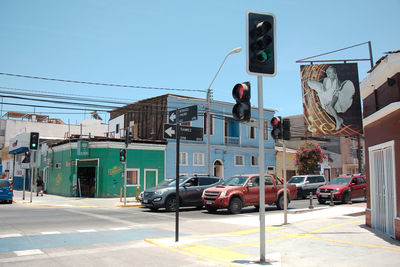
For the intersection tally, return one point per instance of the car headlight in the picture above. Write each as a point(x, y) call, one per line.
point(318, 190)
point(159, 192)
point(223, 194)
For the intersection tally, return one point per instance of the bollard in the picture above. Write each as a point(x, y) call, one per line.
point(137, 193)
point(311, 205)
point(331, 203)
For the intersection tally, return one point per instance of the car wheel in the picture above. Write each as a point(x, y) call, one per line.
point(321, 201)
point(235, 205)
point(346, 197)
point(280, 203)
point(211, 209)
point(170, 204)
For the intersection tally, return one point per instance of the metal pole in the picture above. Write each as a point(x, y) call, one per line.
point(208, 126)
point(33, 156)
point(125, 181)
point(177, 181)
point(370, 54)
point(284, 183)
point(23, 192)
point(261, 166)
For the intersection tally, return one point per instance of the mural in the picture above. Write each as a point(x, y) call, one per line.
point(331, 99)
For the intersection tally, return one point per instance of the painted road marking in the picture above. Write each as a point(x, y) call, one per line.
point(50, 233)
point(10, 235)
point(41, 241)
point(20, 253)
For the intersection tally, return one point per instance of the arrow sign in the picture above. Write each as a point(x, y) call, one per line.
point(185, 132)
point(185, 114)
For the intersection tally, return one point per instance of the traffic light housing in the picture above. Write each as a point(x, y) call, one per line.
point(34, 141)
point(242, 109)
point(276, 123)
point(122, 155)
point(286, 129)
point(261, 43)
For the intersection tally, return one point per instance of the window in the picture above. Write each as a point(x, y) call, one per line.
point(207, 180)
point(198, 159)
point(254, 161)
point(239, 160)
point(255, 181)
point(251, 132)
point(268, 180)
point(266, 130)
point(183, 158)
point(117, 128)
point(205, 124)
point(132, 177)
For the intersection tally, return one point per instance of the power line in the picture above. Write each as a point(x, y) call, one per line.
point(101, 84)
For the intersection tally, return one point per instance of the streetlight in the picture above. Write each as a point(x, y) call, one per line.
point(208, 126)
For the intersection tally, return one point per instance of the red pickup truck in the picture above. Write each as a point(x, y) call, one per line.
point(243, 190)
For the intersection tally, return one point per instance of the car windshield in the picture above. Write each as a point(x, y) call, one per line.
point(171, 182)
point(4, 183)
point(340, 180)
point(165, 182)
point(296, 180)
point(236, 180)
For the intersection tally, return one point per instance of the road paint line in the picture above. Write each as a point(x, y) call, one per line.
point(120, 228)
point(20, 253)
point(10, 235)
point(87, 231)
point(334, 226)
point(50, 233)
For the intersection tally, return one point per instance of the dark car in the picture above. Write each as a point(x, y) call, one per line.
point(190, 191)
point(6, 191)
point(343, 188)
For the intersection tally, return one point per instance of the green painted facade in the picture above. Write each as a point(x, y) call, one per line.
point(104, 164)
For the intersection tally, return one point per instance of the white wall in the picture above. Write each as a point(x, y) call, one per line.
point(113, 124)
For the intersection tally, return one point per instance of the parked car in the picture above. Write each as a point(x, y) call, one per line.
point(6, 191)
point(307, 183)
point(343, 188)
point(243, 190)
point(190, 190)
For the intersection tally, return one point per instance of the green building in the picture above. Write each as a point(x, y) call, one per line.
point(90, 168)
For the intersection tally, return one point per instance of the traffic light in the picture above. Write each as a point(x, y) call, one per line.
point(261, 43)
point(34, 141)
point(241, 93)
point(276, 131)
point(27, 157)
point(286, 129)
point(122, 155)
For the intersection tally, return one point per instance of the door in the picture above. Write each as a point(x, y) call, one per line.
point(191, 192)
point(252, 193)
point(382, 187)
point(150, 177)
point(270, 190)
point(86, 181)
point(218, 169)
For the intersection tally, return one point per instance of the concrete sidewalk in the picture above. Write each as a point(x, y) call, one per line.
point(60, 201)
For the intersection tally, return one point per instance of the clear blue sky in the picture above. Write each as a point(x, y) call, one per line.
point(179, 44)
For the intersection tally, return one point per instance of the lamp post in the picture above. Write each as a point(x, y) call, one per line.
point(208, 126)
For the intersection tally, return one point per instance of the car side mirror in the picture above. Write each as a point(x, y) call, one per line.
point(250, 184)
point(187, 185)
point(307, 182)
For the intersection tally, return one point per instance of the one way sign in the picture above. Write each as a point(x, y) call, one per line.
point(183, 114)
point(185, 132)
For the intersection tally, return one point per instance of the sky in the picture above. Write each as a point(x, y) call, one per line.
point(176, 44)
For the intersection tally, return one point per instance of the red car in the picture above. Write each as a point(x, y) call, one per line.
point(343, 188)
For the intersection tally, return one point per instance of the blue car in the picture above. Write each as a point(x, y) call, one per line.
point(6, 191)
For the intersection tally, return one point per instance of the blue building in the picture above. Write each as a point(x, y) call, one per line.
point(233, 145)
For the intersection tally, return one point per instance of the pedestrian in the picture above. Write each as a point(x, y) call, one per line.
point(39, 185)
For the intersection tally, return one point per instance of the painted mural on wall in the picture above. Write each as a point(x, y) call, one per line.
point(331, 99)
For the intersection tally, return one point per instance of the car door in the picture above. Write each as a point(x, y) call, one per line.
point(270, 190)
point(308, 185)
point(252, 191)
point(191, 192)
point(356, 188)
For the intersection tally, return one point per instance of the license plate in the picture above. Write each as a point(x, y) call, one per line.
point(325, 195)
point(208, 202)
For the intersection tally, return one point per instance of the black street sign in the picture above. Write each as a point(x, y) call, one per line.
point(186, 132)
point(185, 114)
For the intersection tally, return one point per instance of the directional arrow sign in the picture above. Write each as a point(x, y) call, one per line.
point(184, 114)
point(186, 132)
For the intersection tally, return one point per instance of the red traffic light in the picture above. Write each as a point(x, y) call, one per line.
point(275, 121)
point(241, 92)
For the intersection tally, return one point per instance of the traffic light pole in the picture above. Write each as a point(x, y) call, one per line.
point(126, 158)
point(261, 166)
point(285, 202)
point(177, 179)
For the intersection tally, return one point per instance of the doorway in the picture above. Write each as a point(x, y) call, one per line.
point(87, 181)
point(218, 169)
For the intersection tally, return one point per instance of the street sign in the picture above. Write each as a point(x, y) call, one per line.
point(186, 132)
point(185, 114)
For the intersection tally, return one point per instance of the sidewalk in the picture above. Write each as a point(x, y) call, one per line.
point(59, 201)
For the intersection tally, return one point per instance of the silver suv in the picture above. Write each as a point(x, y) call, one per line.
point(307, 183)
point(190, 191)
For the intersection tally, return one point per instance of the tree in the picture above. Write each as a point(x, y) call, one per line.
point(307, 158)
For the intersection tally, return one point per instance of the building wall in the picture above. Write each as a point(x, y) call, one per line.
point(110, 170)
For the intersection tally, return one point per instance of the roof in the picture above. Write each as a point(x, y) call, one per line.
point(382, 58)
